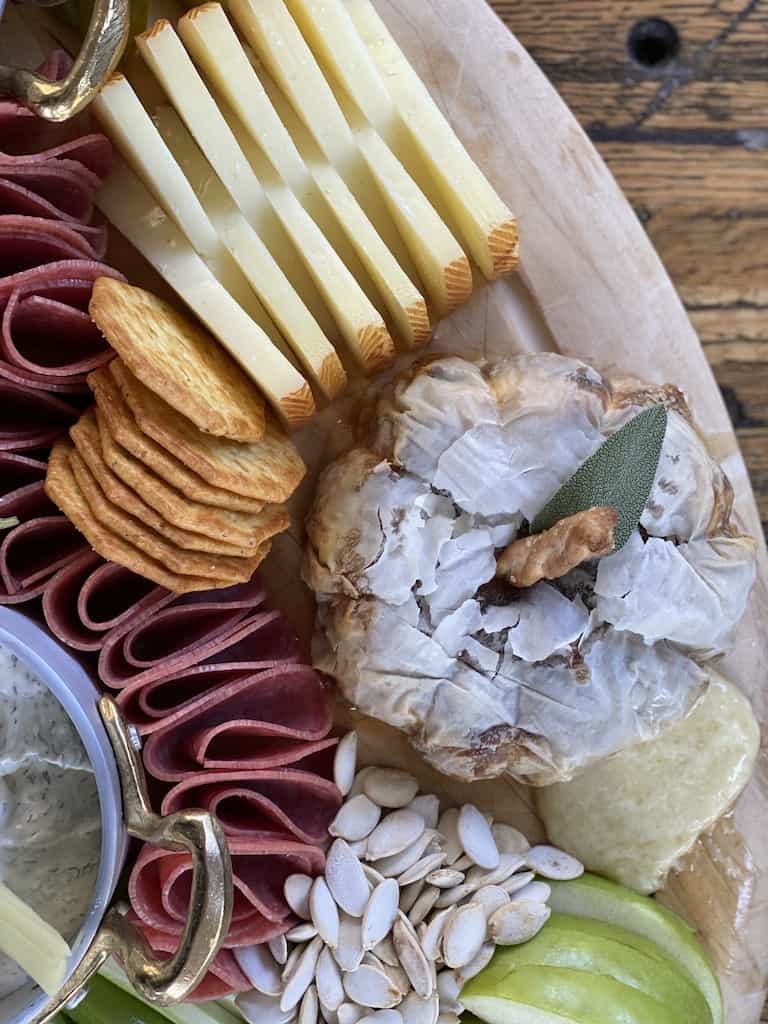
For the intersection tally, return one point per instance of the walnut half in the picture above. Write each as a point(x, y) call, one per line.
point(553, 553)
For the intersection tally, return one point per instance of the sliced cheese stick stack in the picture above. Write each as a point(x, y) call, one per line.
point(356, 49)
point(359, 322)
point(176, 473)
point(418, 237)
point(214, 45)
point(321, 198)
point(311, 347)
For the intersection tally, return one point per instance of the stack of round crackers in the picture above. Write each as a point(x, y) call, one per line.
point(176, 472)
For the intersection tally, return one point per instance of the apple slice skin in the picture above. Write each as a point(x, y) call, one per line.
point(573, 995)
point(499, 1011)
point(596, 948)
point(594, 897)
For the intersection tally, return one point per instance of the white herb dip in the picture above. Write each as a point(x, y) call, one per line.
point(50, 825)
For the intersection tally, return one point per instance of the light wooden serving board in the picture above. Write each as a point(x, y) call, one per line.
point(592, 286)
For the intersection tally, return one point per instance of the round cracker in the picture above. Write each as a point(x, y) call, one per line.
point(270, 469)
point(63, 490)
point(153, 544)
point(127, 433)
point(178, 360)
point(85, 434)
point(234, 527)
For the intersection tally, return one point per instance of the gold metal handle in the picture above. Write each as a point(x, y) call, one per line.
point(210, 909)
point(101, 51)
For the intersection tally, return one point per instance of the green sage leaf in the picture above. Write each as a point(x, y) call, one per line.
point(619, 474)
point(9, 522)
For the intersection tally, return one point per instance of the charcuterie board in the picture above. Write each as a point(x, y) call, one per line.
point(590, 285)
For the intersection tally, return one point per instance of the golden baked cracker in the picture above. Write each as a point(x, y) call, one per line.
point(270, 469)
point(178, 360)
point(85, 434)
point(126, 432)
point(178, 560)
point(235, 527)
point(63, 490)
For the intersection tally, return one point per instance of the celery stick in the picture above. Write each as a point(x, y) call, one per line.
point(182, 1013)
point(108, 1004)
point(29, 940)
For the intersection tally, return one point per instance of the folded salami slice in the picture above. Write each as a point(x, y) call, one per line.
point(31, 419)
point(266, 720)
point(90, 154)
point(114, 598)
point(263, 642)
point(180, 636)
point(22, 488)
point(18, 472)
point(28, 242)
point(224, 977)
point(32, 552)
point(54, 193)
point(50, 338)
point(259, 804)
point(47, 339)
point(86, 600)
point(160, 884)
point(27, 503)
point(60, 603)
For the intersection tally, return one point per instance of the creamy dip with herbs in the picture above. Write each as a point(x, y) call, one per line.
point(50, 825)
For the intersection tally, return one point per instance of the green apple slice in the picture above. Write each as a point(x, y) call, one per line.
point(516, 1013)
point(576, 996)
point(598, 948)
point(597, 898)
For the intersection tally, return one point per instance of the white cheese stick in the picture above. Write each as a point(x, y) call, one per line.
point(360, 323)
point(131, 208)
point(440, 258)
point(129, 125)
point(278, 44)
point(268, 25)
point(403, 302)
point(221, 58)
point(267, 116)
point(355, 47)
point(29, 940)
point(313, 350)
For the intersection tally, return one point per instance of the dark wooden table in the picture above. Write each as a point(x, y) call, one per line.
point(675, 95)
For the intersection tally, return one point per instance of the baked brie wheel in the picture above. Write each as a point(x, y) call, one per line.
point(592, 648)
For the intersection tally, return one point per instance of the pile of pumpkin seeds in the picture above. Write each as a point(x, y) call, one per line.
point(412, 905)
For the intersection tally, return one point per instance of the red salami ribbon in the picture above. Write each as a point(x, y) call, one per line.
point(224, 976)
point(160, 884)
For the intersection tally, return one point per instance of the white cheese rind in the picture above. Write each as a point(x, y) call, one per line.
point(358, 320)
point(129, 206)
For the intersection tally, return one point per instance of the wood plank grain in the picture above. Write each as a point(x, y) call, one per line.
point(716, 84)
point(688, 143)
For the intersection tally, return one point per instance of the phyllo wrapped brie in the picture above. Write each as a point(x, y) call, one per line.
point(455, 462)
